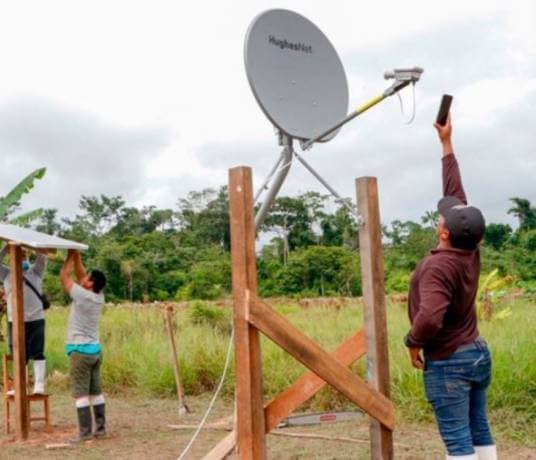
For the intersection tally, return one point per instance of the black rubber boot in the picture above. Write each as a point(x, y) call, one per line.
point(84, 425)
point(100, 420)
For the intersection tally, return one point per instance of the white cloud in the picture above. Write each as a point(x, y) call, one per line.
point(169, 75)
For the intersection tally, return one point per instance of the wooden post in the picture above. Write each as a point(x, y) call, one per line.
point(19, 343)
point(183, 408)
point(372, 276)
point(250, 437)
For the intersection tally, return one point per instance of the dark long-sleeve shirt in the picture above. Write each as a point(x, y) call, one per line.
point(443, 288)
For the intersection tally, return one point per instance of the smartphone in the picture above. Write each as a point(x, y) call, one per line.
point(444, 109)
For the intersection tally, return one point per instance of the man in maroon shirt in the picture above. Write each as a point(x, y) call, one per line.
point(457, 362)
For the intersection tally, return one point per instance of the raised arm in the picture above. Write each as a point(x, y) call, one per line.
point(79, 269)
point(40, 265)
point(66, 272)
point(452, 179)
point(4, 271)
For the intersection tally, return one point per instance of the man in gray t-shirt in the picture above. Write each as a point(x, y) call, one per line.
point(83, 345)
point(34, 315)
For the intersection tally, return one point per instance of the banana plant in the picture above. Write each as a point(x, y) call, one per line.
point(10, 200)
point(7, 203)
point(489, 289)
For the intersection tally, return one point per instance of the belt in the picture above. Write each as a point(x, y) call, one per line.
point(478, 344)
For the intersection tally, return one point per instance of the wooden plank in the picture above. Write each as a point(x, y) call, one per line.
point(250, 437)
point(308, 384)
point(372, 279)
point(223, 448)
point(309, 353)
point(19, 343)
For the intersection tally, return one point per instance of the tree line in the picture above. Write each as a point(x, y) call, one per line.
point(309, 248)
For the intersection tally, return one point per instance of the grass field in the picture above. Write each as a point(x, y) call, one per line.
point(138, 361)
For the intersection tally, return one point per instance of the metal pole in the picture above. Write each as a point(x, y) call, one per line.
point(306, 145)
point(286, 159)
point(397, 86)
point(265, 183)
point(330, 188)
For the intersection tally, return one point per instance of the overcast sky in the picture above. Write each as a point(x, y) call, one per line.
point(150, 100)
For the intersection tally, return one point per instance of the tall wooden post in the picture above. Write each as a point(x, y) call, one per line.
point(19, 342)
point(372, 276)
point(250, 410)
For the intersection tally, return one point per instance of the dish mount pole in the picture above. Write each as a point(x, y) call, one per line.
point(285, 161)
point(402, 77)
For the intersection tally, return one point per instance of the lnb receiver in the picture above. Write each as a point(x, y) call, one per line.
point(410, 75)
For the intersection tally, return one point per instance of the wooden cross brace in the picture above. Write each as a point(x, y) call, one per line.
point(309, 383)
point(252, 315)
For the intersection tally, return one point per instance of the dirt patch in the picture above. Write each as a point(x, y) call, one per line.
point(139, 429)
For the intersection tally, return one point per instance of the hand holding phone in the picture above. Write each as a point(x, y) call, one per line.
point(444, 109)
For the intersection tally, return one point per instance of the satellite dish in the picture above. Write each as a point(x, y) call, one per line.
point(295, 74)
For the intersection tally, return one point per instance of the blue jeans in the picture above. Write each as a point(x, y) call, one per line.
point(456, 389)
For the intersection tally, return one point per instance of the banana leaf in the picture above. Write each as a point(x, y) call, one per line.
point(22, 187)
point(26, 219)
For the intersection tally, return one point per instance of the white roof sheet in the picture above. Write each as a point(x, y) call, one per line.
point(37, 240)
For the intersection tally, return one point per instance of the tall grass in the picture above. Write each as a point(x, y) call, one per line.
point(137, 354)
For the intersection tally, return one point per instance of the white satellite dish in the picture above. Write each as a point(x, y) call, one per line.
point(295, 74)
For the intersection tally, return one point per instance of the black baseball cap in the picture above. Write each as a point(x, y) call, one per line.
point(466, 224)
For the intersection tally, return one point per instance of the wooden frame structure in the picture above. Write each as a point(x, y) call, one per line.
point(19, 239)
point(253, 418)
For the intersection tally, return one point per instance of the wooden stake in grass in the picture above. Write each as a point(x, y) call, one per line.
point(168, 313)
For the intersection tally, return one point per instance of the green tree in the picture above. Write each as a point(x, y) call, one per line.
point(497, 235)
point(316, 270)
point(204, 218)
point(339, 229)
point(292, 220)
point(48, 222)
point(525, 213)
point(430, 219)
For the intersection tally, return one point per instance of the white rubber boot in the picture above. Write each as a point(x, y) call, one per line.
point(486, 452)
point(463, 457)
point(39, 376)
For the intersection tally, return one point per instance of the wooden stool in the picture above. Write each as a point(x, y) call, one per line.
point(8, 399)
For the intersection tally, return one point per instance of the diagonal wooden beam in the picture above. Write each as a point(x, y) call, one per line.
point(308, 384)
point(309, 353)
point(303, 389)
